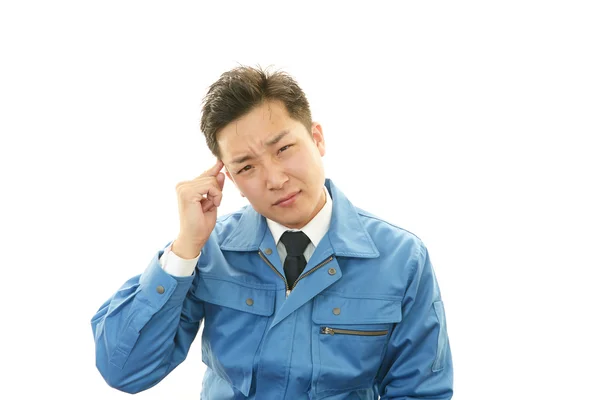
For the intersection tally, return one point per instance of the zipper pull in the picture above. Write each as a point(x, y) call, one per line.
point(287, 293)
point(327, 331)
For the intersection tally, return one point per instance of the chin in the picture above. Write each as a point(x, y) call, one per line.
point(290, 221)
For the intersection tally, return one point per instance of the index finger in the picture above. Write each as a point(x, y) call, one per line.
point(214, 170)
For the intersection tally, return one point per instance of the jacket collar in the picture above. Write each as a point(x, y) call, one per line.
point(346, 234)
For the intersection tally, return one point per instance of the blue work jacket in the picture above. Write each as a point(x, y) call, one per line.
point(365, 319)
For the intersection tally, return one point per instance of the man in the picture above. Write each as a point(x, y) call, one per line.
point(303, 295)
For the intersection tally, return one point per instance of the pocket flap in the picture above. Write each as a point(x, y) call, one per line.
point(335, 309)
point(256, 299)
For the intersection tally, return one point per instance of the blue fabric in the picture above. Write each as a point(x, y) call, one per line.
point(368, 278)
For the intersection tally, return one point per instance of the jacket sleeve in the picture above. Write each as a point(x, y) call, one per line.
point(146, 328)
point(417, 364)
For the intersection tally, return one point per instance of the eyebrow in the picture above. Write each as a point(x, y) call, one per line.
point(270, 142)
point(277, 138)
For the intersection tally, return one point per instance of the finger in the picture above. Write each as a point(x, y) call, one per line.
point(210, 209)
point(207, 205)
point(221, 180)
point(214, 170)
point(215, 195)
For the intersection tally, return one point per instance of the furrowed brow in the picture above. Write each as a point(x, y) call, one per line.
point(270, 142)
point(277, 138)
point(241, 159)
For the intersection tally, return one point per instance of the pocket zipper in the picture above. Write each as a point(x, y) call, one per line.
point(325, 330)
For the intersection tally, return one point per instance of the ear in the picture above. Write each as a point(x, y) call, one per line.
point(319, 139)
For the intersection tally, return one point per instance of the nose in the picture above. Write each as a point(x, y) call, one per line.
point(275, 175)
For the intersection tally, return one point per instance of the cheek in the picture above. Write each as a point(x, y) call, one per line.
point(297, 168)
point(251, 188)
point(307, 165)
point(300, 163)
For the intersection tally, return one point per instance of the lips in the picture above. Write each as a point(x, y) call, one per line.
point(282, 199)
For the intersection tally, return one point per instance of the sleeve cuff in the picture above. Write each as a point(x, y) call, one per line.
point(159, 287)
point(174, 265)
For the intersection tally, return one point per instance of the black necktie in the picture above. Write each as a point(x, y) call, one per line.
point(295, 243)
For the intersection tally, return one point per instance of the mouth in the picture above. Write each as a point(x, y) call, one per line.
point(287, 200)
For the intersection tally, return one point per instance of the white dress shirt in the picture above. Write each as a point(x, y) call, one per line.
point(315, 230)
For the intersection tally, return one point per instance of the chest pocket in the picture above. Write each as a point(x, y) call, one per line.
point(349, 340)
point(235, 319)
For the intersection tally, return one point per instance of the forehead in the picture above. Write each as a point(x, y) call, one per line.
point(251, 132)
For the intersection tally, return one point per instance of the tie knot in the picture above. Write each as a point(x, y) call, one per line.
point(295, 242)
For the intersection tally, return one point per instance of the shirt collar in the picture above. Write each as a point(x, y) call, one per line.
point(316, 227)
point(347, 236)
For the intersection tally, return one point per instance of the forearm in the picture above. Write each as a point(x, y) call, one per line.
point(418, 363)
point(136, 330)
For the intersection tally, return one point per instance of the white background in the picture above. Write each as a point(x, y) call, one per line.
point(474, 125)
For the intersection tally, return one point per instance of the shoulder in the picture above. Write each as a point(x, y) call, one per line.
point(227, 222)
point(375, 222)
point(389, 235)
point(232, 217)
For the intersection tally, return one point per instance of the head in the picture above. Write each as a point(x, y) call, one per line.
point(259, 124)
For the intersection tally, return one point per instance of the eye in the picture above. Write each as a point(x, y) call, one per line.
point(246, 168)
point(284, 148)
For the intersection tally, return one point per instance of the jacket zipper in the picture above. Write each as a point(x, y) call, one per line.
point(311, 271)
point(287, 288)
point(332, 331)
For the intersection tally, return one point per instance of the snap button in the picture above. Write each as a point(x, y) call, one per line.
point(337, 311)
point(160, 289)
point(268, 252)
point(331, 271)
point(249, 302)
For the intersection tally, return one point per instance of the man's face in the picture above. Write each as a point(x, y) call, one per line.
point(270, 157)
